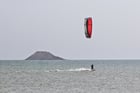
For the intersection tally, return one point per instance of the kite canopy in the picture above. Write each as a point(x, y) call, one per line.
point(88, 27)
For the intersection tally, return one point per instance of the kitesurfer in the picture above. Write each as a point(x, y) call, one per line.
point(92, 68)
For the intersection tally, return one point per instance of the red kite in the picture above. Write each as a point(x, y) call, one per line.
point(88, 27)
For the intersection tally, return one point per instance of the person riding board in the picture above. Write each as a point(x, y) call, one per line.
point(92, 68)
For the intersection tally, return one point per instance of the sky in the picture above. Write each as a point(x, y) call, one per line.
point(57, 26)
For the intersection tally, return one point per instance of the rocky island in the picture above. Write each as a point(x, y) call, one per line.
point(43, 55)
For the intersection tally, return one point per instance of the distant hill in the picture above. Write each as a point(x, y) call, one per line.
point(43, 55)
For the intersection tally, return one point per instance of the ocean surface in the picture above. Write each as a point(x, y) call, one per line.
point(69, 76)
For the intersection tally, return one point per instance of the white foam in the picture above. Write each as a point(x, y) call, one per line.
point(70, 70)
point(79, 69)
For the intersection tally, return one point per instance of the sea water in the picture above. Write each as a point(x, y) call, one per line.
point(70, 76)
